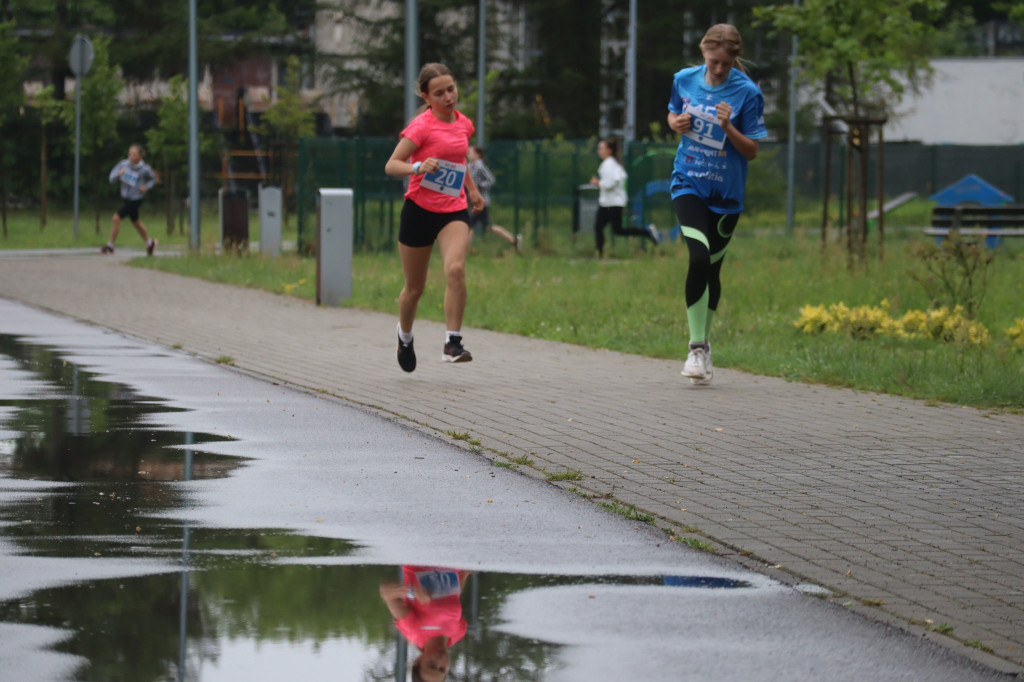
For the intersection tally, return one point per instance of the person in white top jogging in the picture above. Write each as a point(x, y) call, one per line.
point(611, 200)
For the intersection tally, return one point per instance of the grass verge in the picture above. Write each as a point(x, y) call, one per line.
point(633, 302)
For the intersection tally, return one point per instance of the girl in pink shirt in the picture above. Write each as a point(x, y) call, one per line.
point(432, 152)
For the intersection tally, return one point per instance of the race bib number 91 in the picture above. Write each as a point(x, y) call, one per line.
point(705, 130)
point(130, 178)
point(447, 179)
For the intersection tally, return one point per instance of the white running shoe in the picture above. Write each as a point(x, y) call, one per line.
point(653, 232)
point(709, 371)
point(697, 363)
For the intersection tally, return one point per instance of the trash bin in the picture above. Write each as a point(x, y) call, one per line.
point(584, 209)
point(234, 220)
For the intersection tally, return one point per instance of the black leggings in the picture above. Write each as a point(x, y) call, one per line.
point(612, 215)
point(707, 235)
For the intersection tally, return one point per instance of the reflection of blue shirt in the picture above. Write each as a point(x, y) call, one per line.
point(707, 164)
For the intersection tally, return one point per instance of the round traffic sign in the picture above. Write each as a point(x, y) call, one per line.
point(80, 56)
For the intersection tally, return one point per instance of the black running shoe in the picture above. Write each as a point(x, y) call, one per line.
point(454, 352)
point(106, 250)
point(151, 247)
point(406, 356)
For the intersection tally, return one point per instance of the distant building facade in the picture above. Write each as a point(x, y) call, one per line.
point(971, 101)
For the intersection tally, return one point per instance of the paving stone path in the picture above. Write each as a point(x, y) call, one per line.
point(908, 512)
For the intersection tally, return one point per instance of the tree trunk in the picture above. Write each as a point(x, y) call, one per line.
point(95, 187)
point(852, 74)
point(3, 185)
point(169, 200)
point(42, 180)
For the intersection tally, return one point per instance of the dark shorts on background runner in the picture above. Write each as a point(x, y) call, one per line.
point(130, 209)
point(420, 227)
point(480, 220)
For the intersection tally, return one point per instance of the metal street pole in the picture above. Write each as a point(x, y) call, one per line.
point(80, 60)
point(481, 72)
point(791, 143)
point(193, 128)
point(78, 136)
point(412, 57)
point(630, 132)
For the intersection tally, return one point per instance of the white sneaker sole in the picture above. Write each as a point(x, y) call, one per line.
point(465, 357)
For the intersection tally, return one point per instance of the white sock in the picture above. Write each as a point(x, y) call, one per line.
point(406, 338)
point(449, 334)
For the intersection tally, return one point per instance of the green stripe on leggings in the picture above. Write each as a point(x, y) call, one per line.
point(697, 317)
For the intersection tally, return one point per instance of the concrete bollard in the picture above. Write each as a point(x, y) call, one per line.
point(270, 221)
point(334, 247)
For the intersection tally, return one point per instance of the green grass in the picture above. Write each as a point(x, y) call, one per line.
point(627, 511)
point(633, 302)
point(23, 228)
point(567, 475)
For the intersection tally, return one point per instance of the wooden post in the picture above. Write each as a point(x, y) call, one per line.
point(826, 136)
point(864, 131)
point(848, 193)
point(881, 192)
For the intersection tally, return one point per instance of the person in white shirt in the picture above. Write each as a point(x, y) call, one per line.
point(611, 201)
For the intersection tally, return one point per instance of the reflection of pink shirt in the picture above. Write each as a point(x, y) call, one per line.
point(439, 140)
point(439, 616)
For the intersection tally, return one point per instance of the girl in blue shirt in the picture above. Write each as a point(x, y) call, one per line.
point(719, 112)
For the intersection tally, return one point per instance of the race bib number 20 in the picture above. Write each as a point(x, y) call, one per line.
point(447, 179)
point(705, 130)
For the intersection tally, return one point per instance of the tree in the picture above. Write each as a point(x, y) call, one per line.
point(49, 112)
point(554, 89)
point(12, 98)
point(168, 143)
point(863, 65)
point(285, 121)
point(99, 110)
point(152, 37)
point(374, 67)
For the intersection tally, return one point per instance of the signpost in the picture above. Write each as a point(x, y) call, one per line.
point(80, 60)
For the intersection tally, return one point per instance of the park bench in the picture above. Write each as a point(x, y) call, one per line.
point(984, 221)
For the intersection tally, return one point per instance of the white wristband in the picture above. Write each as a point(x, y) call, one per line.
point(416, 167)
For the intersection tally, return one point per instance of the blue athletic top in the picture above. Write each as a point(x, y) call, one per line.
point(707, 164)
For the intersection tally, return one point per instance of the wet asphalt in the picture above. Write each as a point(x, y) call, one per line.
point(906, 514)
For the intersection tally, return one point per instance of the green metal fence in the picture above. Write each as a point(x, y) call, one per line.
point(537, 180)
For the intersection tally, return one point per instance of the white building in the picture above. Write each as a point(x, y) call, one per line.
point(971, 101)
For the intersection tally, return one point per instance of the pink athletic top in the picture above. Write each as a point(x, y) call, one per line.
point(442, 615)
point(443, 191)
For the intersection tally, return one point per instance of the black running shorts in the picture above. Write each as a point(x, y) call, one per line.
point(130, 209)
point(420, 227)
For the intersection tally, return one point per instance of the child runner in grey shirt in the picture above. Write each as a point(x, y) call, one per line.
point(135, 177)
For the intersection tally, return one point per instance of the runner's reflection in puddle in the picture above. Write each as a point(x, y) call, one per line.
point(427, 609)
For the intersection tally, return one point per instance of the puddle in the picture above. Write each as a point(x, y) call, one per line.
point(223, 604)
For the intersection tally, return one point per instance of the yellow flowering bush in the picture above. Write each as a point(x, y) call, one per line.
point(865, 322)
point(814, 319)
point(1016, 333)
